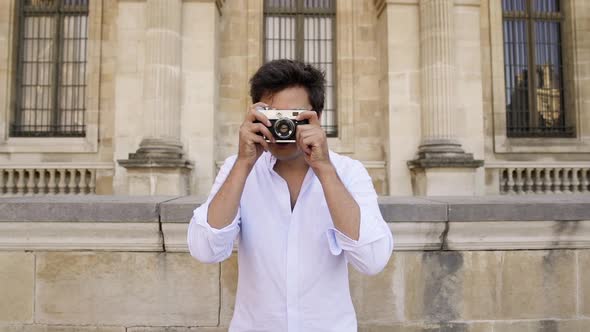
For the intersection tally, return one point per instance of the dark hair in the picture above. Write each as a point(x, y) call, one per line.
point(277, 75)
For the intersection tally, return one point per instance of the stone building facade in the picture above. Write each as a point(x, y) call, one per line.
point(423, 90)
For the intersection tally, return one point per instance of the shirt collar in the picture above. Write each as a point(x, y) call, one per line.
point(269, 159)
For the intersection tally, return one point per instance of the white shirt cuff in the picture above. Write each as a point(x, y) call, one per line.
point(217, 237)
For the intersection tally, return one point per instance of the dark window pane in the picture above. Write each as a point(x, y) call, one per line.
point(513, 5)
point(303, 30)
point(546, 6)
point(52, 68)
point(534, 90)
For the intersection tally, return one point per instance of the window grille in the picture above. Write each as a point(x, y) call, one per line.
point(51, 68)
point(533, 67)
point(305, 30)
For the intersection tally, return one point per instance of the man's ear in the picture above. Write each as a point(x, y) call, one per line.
point(319, 115)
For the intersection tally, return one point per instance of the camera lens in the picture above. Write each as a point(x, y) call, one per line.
point(283, 128)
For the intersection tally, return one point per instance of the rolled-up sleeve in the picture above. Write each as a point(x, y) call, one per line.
point(208, 244)
point(371, 252)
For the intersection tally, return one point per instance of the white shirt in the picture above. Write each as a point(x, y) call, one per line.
point(292, 265)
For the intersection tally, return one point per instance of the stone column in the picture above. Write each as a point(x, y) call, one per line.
point(158, 166)
point(442, 167)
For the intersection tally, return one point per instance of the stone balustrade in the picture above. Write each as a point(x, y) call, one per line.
point(118, 264)
point(41, 181)
point(542, 179)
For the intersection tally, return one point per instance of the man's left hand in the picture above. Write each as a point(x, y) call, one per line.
point(312, 140)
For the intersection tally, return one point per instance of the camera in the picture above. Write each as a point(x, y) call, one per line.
point(283, 124)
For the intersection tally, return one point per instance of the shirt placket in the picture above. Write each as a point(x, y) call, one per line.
point(292, 273)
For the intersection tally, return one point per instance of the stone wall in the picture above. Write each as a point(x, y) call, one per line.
point(118, 264)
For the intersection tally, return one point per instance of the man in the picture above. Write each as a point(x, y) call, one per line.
point(301, 214)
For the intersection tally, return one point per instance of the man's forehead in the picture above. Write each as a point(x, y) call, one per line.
point(292, 97)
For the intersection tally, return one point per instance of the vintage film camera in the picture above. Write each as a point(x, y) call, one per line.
point(283, 123)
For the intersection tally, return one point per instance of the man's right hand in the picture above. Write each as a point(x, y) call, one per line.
point(252, 144)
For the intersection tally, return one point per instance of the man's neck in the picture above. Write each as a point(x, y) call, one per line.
point(293, 166)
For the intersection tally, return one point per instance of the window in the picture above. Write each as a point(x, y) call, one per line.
point(304, 30)
point(533, 68)
point(51, 68)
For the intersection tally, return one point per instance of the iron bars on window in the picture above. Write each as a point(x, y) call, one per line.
point(533, 69)
point(51, 68)
point(305, 30)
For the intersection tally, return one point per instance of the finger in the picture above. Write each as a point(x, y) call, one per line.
point(311, 142)
point(257, 139)
point(260, 128)
point(312, 116)
point(310, 130)
point(302, 145)
point(257, 115)
point(254, 114)
point(305, 148)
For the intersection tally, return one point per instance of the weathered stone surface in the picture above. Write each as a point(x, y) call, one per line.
point(16, 286)
point(114, 236)
point(177, 329)
point(537, 284)
point(584, 282)
point(509, 234)
point(180, 209)
point(229, 285)
point(433, 283)
point(412, 209)
point(533, 207)
point(581, 325)
point(417, 235)
point(480, 282)
point(81, 208)
point(378, 300)
point(57, 328)
point(428, 327)
point(175, 235)
point(144, 289)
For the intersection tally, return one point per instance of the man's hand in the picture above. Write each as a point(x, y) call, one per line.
point(251, 144)
point(312, 140)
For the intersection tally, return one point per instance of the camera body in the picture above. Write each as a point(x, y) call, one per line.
point(283, 124)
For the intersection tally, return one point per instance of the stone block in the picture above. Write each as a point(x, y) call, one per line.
point(532, 207)
point(433, 283)
point(512, 234)
point(177, 329)
point(229, 285)
point(16, 287)
point(480, 282)
point(180, 209)
point(584, 282)
point(429, 327)
point(378, 300)
point(548, 325)
point(157, 180)
point(57, 328)
point(417, 235)
point(141, 289)
point(81, 208)
point(412, 209)
point(444, 181)
point(537, 284)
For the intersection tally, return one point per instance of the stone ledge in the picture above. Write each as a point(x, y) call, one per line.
point(507, 235)
point(505, 207)
point(91, 208)
point(180, 209)
point(144, 223)
point(60, 236)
